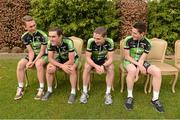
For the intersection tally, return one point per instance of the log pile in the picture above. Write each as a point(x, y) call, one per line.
point(131, 11)
point(11, 29)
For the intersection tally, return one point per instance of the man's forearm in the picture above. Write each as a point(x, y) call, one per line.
point(90, 62)
point(108, 62)
point(31, 56)
point(54, 62)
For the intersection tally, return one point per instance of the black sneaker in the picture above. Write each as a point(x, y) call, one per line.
point(46, 96)
point(129, 103)
point(72, 98)
point(158, 105)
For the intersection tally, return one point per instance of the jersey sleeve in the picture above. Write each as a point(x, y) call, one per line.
point(126, 42)
point(111, 45)
point(70, 45)
point(148, 46)
point(43, 38)
point(89, 45)
point(26, 39)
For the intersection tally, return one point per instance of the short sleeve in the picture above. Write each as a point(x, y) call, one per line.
point(89, 45)
point(126, 42)
point(70, 45)
point(43, 38)
point(148, 46)
point(26, 38)
point(111, 44)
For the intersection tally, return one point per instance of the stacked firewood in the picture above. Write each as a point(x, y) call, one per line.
point(11, 29)
point(131, 11)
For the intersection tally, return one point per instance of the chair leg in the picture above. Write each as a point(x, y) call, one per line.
point(91, 77)
point(146, 84)
point(55, 80)
point(174, 82)
point(122, 82)
point(113, 86)
point(78, 76)
point(27, 79)
point(150, 85)
point(171, 82)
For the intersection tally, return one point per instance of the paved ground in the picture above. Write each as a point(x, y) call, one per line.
point(11, 55)
point(20, 55)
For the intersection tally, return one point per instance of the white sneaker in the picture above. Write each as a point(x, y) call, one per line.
point(19, 93)
point(108, 99)
point(84, 98)
point(39, 94)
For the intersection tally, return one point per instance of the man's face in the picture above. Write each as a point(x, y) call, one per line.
point(136, 35)
point(98, 38)
point(54, 38)
point(30, 26)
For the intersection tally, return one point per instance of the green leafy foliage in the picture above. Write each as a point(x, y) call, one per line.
point(76, 17)
point(164, 21)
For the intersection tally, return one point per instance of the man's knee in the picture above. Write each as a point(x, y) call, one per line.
point(22, 64)
point(110, 68)
point(39, 63)
point(87, 67)
point(132, 70)
point(73, 70)
point(51, 69)
point(155, 71)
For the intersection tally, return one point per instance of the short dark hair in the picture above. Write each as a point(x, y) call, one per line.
point(27, 18)
point(101, 30)
point(58, 30)
point(140, 26)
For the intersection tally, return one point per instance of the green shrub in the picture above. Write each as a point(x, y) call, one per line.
point(163, 21)
point(76, 17)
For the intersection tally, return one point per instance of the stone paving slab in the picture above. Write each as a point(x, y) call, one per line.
point(20, 55)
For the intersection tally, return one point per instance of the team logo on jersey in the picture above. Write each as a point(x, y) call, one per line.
point(105, 47)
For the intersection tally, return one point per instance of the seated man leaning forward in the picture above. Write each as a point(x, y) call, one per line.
point(99, 56)
point(36, 44)
point(67, 60)
point(136, 48)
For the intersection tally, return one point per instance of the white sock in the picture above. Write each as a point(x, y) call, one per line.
point(50, 89)
point(41, 85)
point(155, 95)
point(130, 93)
point(73, 91)
point(108, 90)
point(21, 84)
point(85, 88)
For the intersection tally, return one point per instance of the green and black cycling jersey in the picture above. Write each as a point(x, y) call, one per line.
point(35, 39)
point(99, 52)
point(63, 50)
point(137, 47)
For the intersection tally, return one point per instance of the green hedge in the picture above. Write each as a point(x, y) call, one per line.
point(164, 21)
point(81, 17)
point(76, 17)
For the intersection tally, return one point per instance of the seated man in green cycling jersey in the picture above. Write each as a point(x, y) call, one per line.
point(99, 56)
point(136, 49)
point(36, 44)
point(67, 60)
